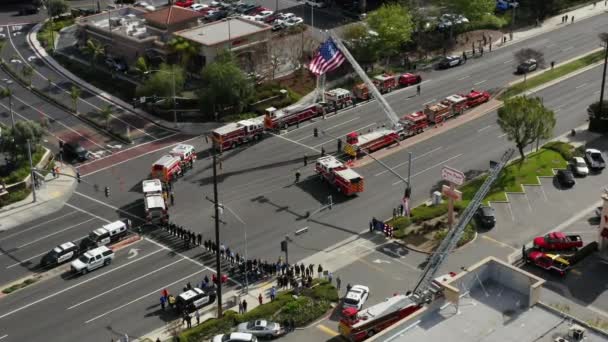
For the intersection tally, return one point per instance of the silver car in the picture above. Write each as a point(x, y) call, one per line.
point(261, 328)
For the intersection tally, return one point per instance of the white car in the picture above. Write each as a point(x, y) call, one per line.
point(285, 16)
point(95, 258)
point(293, 21)
point(447, 20)
point(235, 337)
point(199, 7)
point(261, 328)
point(579, 167)
point(263, 15)
point(356, 297)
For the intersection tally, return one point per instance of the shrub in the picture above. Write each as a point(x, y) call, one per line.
point(566, 150)
point(425, 213)
point(323, 291)
point(468, 235)
point(489, 21)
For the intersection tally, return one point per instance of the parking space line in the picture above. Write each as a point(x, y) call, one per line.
point(124, 284)
point(544, 193)
point(480, 82)
point(405, 162)
point(55, 233)
point(484, 128)
point(37, 225)
point(329, 331)
point(142, 297)
point(580, 86)
point(510, 210)
point(502, 135)
point(465, 77)
point(431, 167)
point(78, 284)
point(507, 61)
point(485, 237)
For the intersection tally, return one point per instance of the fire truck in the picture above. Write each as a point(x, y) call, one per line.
point(413, 124)
point(154, 202)
point(282, 118)
point(448, 107)
point(237, 133)
point(346, 180)
point(167, 168)
point(475, 98)
point(385, 83)
point(339, 98)
point(357, 145)
point(185, 153)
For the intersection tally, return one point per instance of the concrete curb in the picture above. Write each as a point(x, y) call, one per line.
point(422, 251)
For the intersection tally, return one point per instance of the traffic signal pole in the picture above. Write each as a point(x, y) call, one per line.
point(217, 236)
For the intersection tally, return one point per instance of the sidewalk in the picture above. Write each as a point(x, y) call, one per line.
point(50, 197)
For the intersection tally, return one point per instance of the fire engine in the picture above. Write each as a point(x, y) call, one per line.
point(167, 168)
point(385, 83)
point(346, 180)
point(413, 124)
point(357, 145)
point(282, 118)
point(339, 98)
point(154, 202)
point(475, 98)
point(185, 153)
point(237, 133)
point(450, 106)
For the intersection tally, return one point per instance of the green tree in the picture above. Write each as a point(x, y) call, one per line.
point(75, 94)
point(184, 48)
point(14, 140)
point(227, 88)
point(95, 50)
point(27, 71)
point(525, 120)
point(106, 114)
point(393, 25)
point(160, 83)
point(141, 65)
point(362, 44)
point(472, 9)
point(57, 7)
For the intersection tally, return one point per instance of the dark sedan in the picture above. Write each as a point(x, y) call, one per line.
point(486, 217)
point(565, 178)
point(449, 62)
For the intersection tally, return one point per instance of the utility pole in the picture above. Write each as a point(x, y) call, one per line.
point(218, 265)
point(174, 109)
point(10, 105)
point(605, 39)
point(32, 173)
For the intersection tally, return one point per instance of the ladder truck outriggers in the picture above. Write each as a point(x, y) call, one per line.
point(359, 325)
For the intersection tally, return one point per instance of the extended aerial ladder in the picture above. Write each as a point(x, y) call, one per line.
point(423, 291)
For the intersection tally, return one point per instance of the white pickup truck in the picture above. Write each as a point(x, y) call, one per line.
point(95, 258)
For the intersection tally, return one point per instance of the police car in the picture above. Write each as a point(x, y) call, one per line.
point(60, 254)
point(93, 259)
point(194, 299)
point(356, 297)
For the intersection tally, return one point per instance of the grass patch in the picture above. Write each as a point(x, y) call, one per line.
point(23, 167)
point(18, 286)
point(550, 75)
point(468, 235)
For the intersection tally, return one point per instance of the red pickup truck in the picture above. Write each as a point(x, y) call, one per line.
point(558, 241)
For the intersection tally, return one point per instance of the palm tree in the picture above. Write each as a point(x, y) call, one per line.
point(75, 94)
point(27, 71)
point(141, 65)
point(95, 49)
point(106, 114)
point(185, 50)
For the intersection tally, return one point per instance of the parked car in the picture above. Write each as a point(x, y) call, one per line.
point(216, 15)
point(595, 159)
point(450, 61)
point(558, 241)
point(95, 258)
point(261, 328)
point(407, 79)
point(486, 216)
point(74, 149)
point(356, 297)
point(549, 262)
point(259, 10)
point(293, 21)
point(278, 25)
point(447, 20)
point(263, 15)
point(527, 66)
point(235, 337)
point(579, 167)
point(194, 299)
point(199, 7)
point(246, 8)
point(60, 254)
point(565, 178)
point(116, 64)
point(28, 10)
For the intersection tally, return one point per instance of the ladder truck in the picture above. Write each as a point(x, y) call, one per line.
point(359, 325)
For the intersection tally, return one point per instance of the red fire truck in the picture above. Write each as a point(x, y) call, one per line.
point(339, 98)
point(185, 153)
point(237, 133)
point(385, 84)
point(357, 326)
point(346, 180)
point(450, 106)
point(357, 144)
point(475, 98)
point(281, 118)
point(413, 124)
point(167, 168)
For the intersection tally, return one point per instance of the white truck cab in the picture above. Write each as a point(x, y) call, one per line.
point(154, 202)
point(95, 258)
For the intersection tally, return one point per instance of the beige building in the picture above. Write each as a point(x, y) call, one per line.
point(248, 40)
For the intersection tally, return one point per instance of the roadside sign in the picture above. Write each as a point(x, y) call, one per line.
point(453, 194)
point(452, 175)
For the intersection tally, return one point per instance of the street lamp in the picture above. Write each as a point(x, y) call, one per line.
point(172, 72)
point(604, 38)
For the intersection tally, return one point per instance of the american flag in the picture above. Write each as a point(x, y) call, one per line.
point(327, 58)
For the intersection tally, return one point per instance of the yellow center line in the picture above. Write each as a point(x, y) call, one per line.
point(498, 242)
point(328, 331)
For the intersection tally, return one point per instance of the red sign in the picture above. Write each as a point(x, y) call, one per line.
point(453, 194)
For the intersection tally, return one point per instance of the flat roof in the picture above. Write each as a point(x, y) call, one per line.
point(222, 30)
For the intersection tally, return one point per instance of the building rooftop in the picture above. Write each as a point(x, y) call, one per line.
point(170, 16)
point(126, 21)
point(222, 31)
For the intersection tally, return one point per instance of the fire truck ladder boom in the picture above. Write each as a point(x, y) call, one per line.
point(422, 290)
point(390, 113)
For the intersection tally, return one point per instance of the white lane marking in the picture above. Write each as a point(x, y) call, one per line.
point(480, 82)
point(67, 92)
point(107, 205)
point(405, 162)
point(502, 135)
point(37, 225)
point(55, 233)
point(484, 128)
point(580, 86)
point(508, 61)
point(144, 296)
point(431, 167)
point(550, 45)
point(429, 101)
point(76, 285)
point(332, 127)
point(323, 143)
point(88, 213)
point(568, 48)
point(136, 157)
point(295, 142)
point(3, 337)
point(462, 78)
point(124, 284)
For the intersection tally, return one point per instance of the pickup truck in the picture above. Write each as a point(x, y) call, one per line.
point(558, 241)
point(595, 159)
point(549, 262)
point(95, 258)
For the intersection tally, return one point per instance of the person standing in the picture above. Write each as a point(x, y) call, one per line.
point(338, 283)
point(260, 299)
point(188, 320)
point(198, 317)
point(273, 293)
point(348, 287)
point(172, 198)
point(292, 324)
point(320, 270)
point(163, 302)
point(418, 90)
point(330, 277)
point(241, 311)
point(244, 306)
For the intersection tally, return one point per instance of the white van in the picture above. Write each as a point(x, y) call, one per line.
point(95, 258)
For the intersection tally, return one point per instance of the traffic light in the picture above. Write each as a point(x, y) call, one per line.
point(283, 246)
point(78, 176)
point(107, 191)
point(315, 132)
